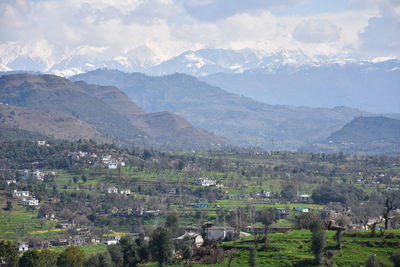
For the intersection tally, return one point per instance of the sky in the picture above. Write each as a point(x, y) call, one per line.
point(54, 28)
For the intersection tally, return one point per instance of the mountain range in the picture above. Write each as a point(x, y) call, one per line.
point(288, 77)
point(55, 106)
point(241, 120)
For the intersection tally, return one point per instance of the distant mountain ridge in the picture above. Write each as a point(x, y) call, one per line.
point(287, 77)
point(363, 135)
point(105, 109)
point(240, 119)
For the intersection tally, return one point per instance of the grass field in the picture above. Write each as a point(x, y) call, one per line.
point(20, 224)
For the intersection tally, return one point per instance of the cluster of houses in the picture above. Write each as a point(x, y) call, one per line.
point(35, 174)
point(204, 181)
point(112, 163)
point(115, 190)
point(25, 198)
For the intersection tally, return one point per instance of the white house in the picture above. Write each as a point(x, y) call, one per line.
point(106, 158)
point(30, 202)
point(41, 143)
point(305, 198)
point(205, 182)
point(17, 193)
point(302, 209)
point(112, 240)
point(23, 246)
point(11, 182)
point(125, 192)
point(196, 239)
point(111, 190)
point(112, 165)
point(220, 233)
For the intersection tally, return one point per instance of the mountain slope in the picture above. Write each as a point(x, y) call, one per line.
point(368, 86)
point(56, 94)
point(53, 124)
point(242, 120)
point(106, 108)
point(363, 135)
point(163, 127)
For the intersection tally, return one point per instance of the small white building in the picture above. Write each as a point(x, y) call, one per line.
point(8, 182)
point(305, 198)
point(196, 239)
point(41, 143)
point(106, 158)
point(31, 202)
point(205, 182)
point(112, 165)
point(23, 246)
point(125, 192)
point(111, 190)
point(220, 233)
point(17, 193)
point(112, 240)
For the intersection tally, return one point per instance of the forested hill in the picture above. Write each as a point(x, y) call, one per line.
point(368, 135)
point(368, 129)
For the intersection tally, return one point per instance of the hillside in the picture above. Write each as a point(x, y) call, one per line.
point(53, 124)
point(242, 120)
point(162, 127)
point(105, 108)
point(364, 135)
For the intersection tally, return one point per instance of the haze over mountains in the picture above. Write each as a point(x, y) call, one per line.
point(242, 120)
point(288, 77)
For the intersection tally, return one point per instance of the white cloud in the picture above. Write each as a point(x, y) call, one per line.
point(317, 31)
point(169, 27)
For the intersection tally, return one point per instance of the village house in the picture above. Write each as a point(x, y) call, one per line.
point(125, 192)
point(302, 209)
point(111, 190)
point(195, 238)
point(113, 240)
point(305, 198)
point(23, 246)
point(17, 193)
point(31, 202)
point(26, 175)
point(282, 213)
point(112, 165)
point(8, 182)
point(220, 233)
point(64, 225)
point(41, 143)
point(106, 158)
point(205, 182)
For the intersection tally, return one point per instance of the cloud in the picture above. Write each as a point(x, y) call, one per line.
point(382, 35)
point(213, 10)
point(317, 31)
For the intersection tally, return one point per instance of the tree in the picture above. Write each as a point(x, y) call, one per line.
point(373, 262)
point(289, 192)
point(161, 245)
point(9, 253)
point(129, 251)
point(392, 202)
point(71, 257)
point(116, 254)
point(9, 205)
point(341, 226)
point(267, 217)
point(367, 213)
point(317, 240)
point(30, 258)
point(48, 258)
point(187, 254)
point(253, 257)
point(172, 221)
point(395, 258)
